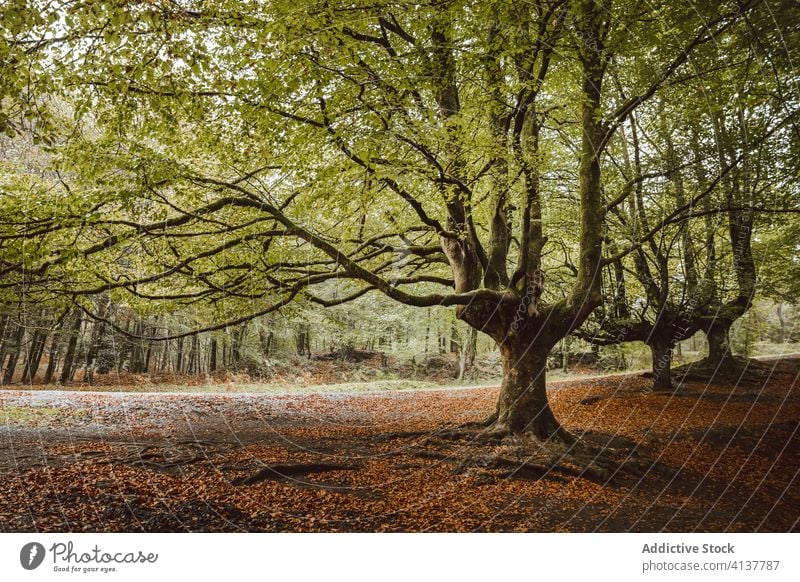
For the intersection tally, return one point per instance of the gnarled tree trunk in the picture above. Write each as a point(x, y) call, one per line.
point(719, 345)
point(523, 406)
point(661, 350)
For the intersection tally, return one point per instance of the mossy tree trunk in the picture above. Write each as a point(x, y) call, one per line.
point(719, 344)
point(661, 350)
point(523, 406)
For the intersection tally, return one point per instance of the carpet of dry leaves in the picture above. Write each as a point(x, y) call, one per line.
point(723, 458)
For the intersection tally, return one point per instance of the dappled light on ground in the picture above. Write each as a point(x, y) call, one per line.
point(716, 458)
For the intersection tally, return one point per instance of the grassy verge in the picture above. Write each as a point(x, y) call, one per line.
point(246, 388)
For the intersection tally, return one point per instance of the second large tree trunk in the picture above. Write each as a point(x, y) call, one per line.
point(523, 406)
point(719, 345)
point(661, 351)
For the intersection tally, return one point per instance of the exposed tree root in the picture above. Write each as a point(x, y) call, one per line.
point(287, 471)
point(166, 456)
point(589, 400)
point(475, 429)
point(486, 422)
point(390, 436)
point(491, 429)
point(738, 371)
point(504, 454)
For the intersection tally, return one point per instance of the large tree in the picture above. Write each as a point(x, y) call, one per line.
point(450, 153)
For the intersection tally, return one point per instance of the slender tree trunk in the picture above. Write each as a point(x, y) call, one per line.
point(782, 321)
point(52, 358)
point(13, 357)
point(427, 333)
point(196, 350)
point(91, 352)
point(137, 363)
point(454, 339)
point(468, 351)
point(148, 355)
point(238, 338)
point(265, 339)
point(3, 329)
point(523, 405)
point(55, 347)
point(148, 349)
point(163, 365)
point(11, 366)
point(191, 366)
point(179, 357)
point(303, 341)
point(566, 346)
point(212, 362)
point(72, 349)
point(35, 354)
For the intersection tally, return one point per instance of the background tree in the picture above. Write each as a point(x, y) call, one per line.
point(728, 166)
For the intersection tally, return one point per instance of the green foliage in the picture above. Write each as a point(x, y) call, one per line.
point(215, 161)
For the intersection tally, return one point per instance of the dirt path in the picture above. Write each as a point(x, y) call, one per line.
point(720, 458)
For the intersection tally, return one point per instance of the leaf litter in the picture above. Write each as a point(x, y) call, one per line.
point(716, 457)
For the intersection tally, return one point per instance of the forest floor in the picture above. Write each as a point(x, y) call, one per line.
point(720, 458)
